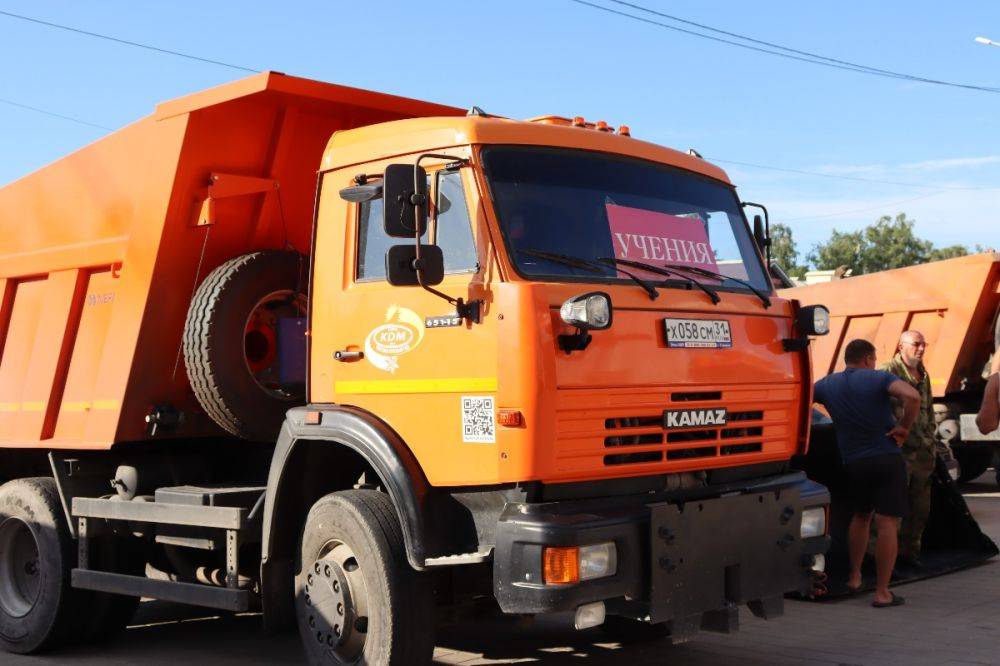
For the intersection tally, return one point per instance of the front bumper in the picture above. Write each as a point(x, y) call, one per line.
point(679, 555)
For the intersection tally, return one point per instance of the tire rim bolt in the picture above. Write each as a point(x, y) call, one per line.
point(340, 609)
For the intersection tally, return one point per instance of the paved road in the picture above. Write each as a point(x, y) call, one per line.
point(951, 620)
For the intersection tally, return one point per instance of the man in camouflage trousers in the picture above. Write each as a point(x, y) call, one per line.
point(919, 449)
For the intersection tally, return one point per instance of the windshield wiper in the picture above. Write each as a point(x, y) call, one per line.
point(588, 265)
point(615, 261)
point(698, 270)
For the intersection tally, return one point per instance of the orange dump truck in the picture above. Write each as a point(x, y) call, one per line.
point(345, 357)
point(956, 305)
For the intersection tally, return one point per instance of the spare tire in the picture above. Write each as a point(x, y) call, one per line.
point(244, 342)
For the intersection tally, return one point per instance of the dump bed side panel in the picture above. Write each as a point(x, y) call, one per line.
point(79, 236)
point(953, 303)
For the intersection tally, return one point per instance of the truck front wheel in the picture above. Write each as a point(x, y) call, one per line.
point(357, 599)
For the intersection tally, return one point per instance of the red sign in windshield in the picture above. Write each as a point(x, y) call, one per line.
point(659, 238)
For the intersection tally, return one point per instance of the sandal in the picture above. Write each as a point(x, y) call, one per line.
point(896, 601)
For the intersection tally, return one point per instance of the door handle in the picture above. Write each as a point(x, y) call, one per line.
point(346, 356)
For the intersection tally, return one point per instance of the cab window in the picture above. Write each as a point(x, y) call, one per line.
point(452, 228)
point(452, 231)
point(373, 242)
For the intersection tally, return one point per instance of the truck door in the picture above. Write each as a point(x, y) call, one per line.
point(403, 354)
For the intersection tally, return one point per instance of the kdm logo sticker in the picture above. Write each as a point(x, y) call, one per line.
point(402, 332)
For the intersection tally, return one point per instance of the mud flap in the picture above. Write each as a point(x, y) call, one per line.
point(722, 553)
point(952, 538)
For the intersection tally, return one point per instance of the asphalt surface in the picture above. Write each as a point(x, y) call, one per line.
point(950, 620)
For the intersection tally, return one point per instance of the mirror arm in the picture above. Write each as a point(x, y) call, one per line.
point(470, 310)
point(767, 228)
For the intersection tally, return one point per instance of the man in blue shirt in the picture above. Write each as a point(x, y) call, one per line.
point(868, 436)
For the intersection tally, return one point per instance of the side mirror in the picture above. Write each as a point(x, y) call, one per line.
point(399, 269)
point(759, 235)
point(401, 201)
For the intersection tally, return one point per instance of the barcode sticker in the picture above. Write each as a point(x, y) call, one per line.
point(478, 420)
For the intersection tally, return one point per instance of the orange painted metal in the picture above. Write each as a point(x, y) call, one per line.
point(954, 303)
point(101, 250)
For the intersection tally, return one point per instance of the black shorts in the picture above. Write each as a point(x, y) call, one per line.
point(878, 483)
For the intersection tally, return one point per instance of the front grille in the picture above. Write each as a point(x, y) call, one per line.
point(697, 438)
point(625, 427)
point(632, 458)
point(696, 396)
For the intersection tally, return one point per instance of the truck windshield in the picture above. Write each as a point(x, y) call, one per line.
point(599, 208)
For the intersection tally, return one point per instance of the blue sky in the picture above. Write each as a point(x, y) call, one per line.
point(523, 59)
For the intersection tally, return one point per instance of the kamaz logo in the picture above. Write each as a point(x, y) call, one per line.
point(687, 418)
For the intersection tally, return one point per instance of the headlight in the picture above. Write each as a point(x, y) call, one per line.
point(566, 565)
point(813, 522)
point(598, 561)
point(591, 311)
point(813, 320)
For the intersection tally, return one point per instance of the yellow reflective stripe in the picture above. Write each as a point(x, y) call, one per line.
point(106, 404)
point(86, 406)
point(76, 406)
point(445, 385)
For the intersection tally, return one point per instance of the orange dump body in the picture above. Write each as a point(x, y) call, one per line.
point(954, 303)
point(101, 251)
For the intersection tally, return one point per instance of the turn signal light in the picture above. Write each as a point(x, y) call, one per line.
point(561, 566)
point(510, 418)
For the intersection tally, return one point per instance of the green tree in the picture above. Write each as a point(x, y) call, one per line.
point(842, 249)
point(886, 244)
point(950, 252)
point(784, 252)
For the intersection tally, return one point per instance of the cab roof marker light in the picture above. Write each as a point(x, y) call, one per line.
point(624, 130)
point(578, 121)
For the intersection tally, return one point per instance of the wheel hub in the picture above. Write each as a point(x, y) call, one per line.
point(19, 568)
point(260, 343)
point(336, 603)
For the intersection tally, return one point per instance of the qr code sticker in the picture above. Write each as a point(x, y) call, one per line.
point(478, 422)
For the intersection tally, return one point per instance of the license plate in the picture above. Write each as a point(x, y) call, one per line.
point(702, 333)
